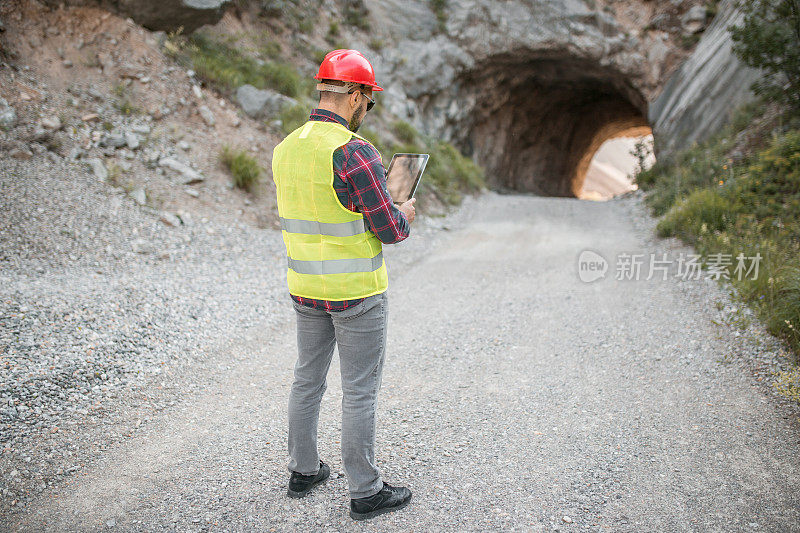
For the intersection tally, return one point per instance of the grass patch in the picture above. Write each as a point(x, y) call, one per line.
point(221, 64)
point(123, 101)
point(788, 384)
point(333, 31)
point(688, 42)
point(749, 207)
point(356, 14)
point(245, 170)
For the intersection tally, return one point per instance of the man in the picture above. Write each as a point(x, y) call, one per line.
point(335, 214)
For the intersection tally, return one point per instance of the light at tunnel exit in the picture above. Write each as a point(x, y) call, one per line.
point(613, 167)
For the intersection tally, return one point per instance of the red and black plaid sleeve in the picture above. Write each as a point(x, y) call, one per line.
point(365, 177)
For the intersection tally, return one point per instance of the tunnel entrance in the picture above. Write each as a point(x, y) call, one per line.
point(538, 118)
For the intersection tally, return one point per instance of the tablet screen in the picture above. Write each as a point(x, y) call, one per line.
point(403, 175)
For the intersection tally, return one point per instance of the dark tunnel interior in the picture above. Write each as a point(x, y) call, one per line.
point(537, 119)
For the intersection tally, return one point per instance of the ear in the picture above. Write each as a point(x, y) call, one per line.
point(354, 96)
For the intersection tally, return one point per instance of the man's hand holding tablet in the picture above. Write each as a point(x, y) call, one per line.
point(408, 209)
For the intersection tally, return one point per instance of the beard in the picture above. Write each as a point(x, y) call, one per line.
point(355, 121)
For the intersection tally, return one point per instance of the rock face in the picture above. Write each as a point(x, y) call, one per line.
point(258, 103)
point(166, 15)
point(699, 98)
point(530, 90)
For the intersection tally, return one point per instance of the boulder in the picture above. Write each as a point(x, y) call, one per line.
point(51, 123)
point(207, 115)
point(98, 168)
point(189, 174)
point(163, 15)
point(169, 219)
point(20, 150)
point(132, 140)
point(258, 103)
point(694, 20)
point(139, 195)
point(114, 139)
point(8, 117)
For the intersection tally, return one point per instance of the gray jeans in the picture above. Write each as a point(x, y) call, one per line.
point(360, 333)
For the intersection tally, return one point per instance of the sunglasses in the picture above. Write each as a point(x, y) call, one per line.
point(371, 101)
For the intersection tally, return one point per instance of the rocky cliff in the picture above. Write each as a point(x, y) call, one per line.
point(529, 89)
point(532, 90)
point(700, 97)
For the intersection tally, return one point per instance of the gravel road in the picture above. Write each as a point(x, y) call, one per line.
point(515, 396)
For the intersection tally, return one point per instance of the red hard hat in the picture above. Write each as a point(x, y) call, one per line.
point(347, 65)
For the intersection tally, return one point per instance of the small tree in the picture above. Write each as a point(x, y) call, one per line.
point(642, 151)
point(769, 38)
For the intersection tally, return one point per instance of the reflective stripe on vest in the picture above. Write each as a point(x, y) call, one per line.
point(312, 227)
point(336, 266)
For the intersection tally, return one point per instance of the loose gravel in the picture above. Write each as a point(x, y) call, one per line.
point(515, 397)
point(108, 316)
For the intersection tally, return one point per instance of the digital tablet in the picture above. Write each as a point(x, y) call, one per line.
point(404, 174)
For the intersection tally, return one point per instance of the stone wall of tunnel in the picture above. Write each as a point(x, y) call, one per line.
point(535, 121)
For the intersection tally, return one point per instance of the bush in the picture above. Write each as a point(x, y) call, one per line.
point(333, 31)
point(225, 66)
point(293, 117)
point(448, 175)
point(244, 169)
point(753, 209)
point(356, 14)
point(439, 8)
point(701, 166)
point(703, 211)
point(405, 132)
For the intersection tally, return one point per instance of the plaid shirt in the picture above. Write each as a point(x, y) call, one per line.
point(359, 180)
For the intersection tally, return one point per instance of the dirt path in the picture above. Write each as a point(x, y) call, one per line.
point(514, 396)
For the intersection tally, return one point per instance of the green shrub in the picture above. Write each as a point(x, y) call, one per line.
point(703, 211)
point(405, 132)
point(244, 169)
point(439, 8)
point(333, 31)
point(227, 68)
point(270, 49)
point(293, 117)
point(356, 14)
point(701, 165)
point(752, 209)
point(448, 175)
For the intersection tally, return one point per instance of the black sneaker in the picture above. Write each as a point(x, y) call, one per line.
point(300, 485)
point(387, 500)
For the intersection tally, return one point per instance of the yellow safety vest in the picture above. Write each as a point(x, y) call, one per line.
point(331, 252)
